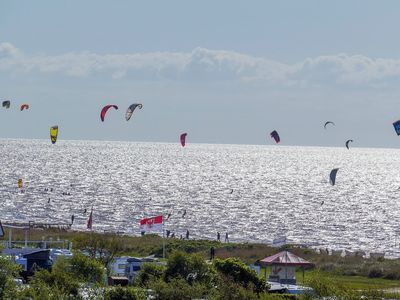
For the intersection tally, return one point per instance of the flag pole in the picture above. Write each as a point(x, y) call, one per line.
point(163, 238)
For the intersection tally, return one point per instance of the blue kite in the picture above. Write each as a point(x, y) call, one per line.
point(396, 126)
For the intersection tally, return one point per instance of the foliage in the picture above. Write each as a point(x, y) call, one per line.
point(8, 271)
point(178, 288)
point(192, 268)
point(241, 274)
point(65, 278)
point(227, 289)
point(324, 287)
point(100, 246)
point(149, 272)
point(126, 293)
point(40, 290)
point(267, 296)
point(85, 269)
point(52, 285)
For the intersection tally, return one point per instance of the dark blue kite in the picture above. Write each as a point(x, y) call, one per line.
point(332, 176)
point(275, 136)
point(396, 126)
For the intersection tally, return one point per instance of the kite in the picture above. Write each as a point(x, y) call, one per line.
point(24, 106)
point(104, 111)
point(347, 143)
point(329, 122)
point(183, 139)
point(332, 176)
point(6, 104)
point(53, 134)
point(396, 126)
point(275, 136)
point(131, 109)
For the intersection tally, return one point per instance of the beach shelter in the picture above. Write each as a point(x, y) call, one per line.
point(283, 267)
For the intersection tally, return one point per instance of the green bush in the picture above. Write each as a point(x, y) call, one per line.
point(65, 278)
point(8, 271)
point(52, 285)
point(240, 273)
point(85, 268)
point(149, 272)
point(178, 288)
point(124, 293)
point(278, 297)
point(192, 268)
point(230, 290)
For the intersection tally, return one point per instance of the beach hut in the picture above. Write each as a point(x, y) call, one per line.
point(283, 267)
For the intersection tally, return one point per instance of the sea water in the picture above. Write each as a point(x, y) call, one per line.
point(253, 192)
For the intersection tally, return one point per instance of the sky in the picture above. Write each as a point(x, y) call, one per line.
point(222, 71)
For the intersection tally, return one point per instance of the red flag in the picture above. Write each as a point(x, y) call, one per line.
point(90, 220)
point(151, 224)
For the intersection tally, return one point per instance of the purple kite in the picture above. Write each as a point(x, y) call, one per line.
point(183, 139)
point(105, 109)
point(275, 136)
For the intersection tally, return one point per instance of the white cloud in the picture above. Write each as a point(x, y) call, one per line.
point(204, 64)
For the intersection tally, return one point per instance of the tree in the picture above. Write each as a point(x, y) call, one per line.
point(237, 271)
point(65, 278)
point(149, 272)
point(8, 271)
point(192, 268)
point(86, 269)
point(100, 246)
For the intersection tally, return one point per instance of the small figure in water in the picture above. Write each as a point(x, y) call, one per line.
point(85, 211)
point(72, 219)
point(168, 216)
point(226, 238)
point(187, 234)
point(48, 201)
point(322, 203)
point(231, 191)
point(218, 236)
point(184, 213)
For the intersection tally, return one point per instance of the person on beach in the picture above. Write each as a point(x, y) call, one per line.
point(212, 253)
point(226, 238)
point(168, 233)
point(173, 235)
point(187, 234)
point(218, 236)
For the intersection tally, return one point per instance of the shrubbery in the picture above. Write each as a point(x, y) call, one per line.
point(149, 272)
point(241, 274)
point(126, 293)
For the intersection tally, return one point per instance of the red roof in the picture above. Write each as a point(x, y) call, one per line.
point(285, 258)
